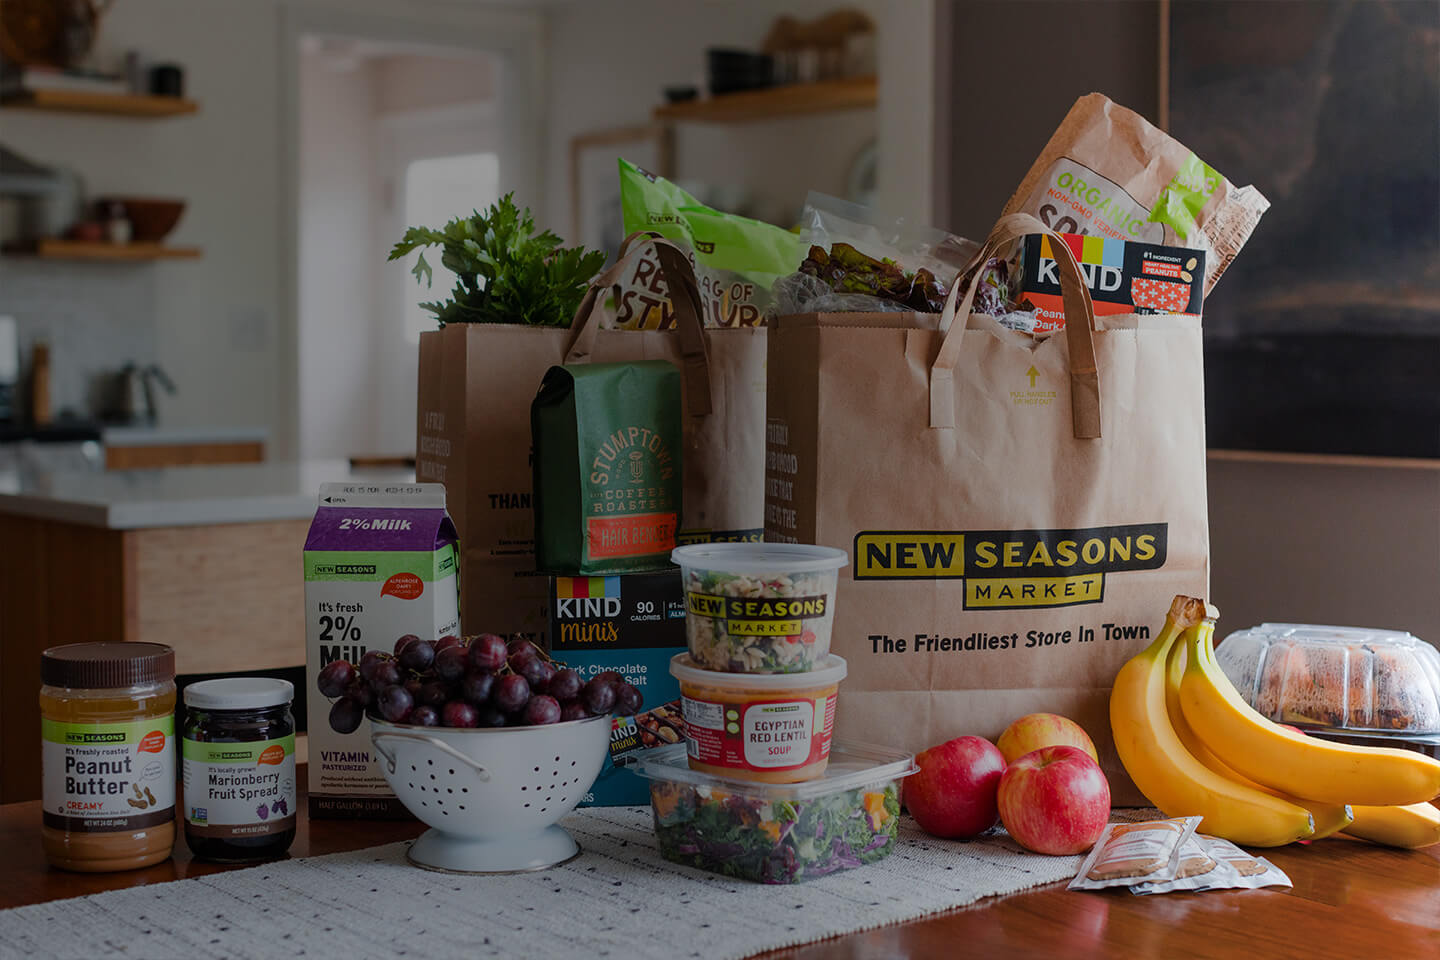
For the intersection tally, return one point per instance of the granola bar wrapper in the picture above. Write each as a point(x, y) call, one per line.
point(1250, 871)
point(1108, 172)
point(1132, 853)
point(1197, 870)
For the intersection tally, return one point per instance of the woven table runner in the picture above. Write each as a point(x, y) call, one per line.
point(618, 899)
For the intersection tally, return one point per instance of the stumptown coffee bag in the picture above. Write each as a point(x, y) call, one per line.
point(607, 467)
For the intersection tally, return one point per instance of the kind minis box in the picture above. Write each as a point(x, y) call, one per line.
point(633, 624)
point(380, 562)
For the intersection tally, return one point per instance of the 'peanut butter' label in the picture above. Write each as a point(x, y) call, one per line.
point(108, 777)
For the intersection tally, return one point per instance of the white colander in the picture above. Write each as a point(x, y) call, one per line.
point(492, 796)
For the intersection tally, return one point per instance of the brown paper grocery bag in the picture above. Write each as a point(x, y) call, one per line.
point(473, 431)
point(1018, 513)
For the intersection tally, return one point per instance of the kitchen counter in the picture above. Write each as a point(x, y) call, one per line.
point(179, 496)
point(205, 559)
point(175, 436)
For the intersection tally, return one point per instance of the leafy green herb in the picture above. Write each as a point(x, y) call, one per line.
point(505, 271)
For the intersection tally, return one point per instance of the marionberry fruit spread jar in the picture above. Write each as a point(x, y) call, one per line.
point(239, 768)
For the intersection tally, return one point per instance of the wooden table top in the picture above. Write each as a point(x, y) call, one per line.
point(1350, 899)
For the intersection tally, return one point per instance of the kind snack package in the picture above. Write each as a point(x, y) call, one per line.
point(1124, 276)
point(1131, 853)
point(737, 260)
point(632, 624)
point(1107, 172)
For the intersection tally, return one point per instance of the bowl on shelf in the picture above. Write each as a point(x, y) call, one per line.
point(151, 218)
point(492, 796)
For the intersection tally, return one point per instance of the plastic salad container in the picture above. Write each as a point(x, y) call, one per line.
point(1336, 678)
point(759, 607)
point(778, 833)
point(769, 728)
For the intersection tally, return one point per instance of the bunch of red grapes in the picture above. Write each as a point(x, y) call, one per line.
point(479, 682)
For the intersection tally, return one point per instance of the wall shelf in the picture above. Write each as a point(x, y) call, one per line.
point(113, 104)
point(783, 101)
point(50, 249)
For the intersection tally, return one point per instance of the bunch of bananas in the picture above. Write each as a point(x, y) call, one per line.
point(1194, 747)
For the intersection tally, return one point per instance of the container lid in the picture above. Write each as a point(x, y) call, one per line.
point(852, 764)
point(1340, 678)
point(107, 666)
point(827, 672)
point(239, 693)
point(760, 557)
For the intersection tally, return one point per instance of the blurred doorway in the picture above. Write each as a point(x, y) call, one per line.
point(389, 135)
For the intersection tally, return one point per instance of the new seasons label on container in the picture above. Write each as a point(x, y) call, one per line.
point(239, 789)
point(99, 777)
point(1013, 569)
point(759, 616)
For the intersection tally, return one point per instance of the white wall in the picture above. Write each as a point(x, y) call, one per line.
point(411, 82)
point(214, 319)
point(609, 63)
point(337, 240)
point(1295, 539)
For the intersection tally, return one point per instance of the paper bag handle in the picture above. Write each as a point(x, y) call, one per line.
point(679, 279)
point(1079, 329)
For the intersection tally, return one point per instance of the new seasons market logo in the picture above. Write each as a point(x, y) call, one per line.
point(1013, 569)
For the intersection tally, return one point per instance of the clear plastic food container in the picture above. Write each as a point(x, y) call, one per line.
point(1336, 678)
point(778, 833)
point(759, 607)
point(774, 728)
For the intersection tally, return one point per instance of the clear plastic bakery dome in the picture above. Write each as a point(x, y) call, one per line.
point(1344, 678)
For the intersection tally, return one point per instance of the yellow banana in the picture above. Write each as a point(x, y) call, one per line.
point(1410, 826)
point(1291, 762)
point(1330, 818)
point(1167, 773)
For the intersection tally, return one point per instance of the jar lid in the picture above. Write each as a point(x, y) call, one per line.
point(107, 666)
point(239, 693)
point(759, 558)
point(828, 672)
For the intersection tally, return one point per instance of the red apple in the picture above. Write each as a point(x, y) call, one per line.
point(1055, 800)
point(1036, 730)
point(953, 794)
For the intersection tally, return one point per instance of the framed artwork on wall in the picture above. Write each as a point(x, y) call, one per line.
point(1324, 337)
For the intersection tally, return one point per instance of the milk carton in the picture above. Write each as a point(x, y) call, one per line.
point(380, 562)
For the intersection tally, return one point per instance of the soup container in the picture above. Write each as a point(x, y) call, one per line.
point(769, 728)
point(759, 607)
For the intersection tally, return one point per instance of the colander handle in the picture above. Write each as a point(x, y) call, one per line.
point(432, 742)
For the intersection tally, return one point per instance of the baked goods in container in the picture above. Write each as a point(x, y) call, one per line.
point(1344, 678)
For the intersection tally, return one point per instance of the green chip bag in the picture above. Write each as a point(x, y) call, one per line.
point(736, 259)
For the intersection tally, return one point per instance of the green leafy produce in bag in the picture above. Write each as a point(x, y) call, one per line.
point(505, 271)
point(736, 259)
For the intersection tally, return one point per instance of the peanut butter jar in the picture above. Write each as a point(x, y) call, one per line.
point(107, 752)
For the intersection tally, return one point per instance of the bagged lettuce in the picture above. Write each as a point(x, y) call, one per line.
point(737, 260)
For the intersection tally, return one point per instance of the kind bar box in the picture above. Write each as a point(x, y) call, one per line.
point(380, 562)
point(632, 624)
point(1124, 276)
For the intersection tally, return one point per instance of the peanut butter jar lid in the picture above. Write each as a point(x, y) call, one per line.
point(104, 666)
